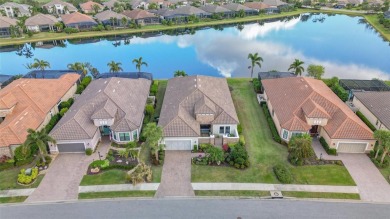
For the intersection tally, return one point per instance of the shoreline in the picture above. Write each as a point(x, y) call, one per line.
point(45, 36)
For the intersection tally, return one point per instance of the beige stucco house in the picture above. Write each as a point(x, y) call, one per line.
point(30, 103)
point(196, 110)
point(112, 107)
point(375, 106)
point(306, 105)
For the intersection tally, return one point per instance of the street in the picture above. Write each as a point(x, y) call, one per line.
point(196, 208)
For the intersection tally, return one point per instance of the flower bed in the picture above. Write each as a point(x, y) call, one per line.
point(114, 160)
point(27, 179)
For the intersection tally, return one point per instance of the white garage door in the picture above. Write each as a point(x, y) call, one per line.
point(351, 147)
point(178, 145)
point(71, 148)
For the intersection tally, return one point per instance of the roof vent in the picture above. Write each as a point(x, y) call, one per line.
point(25, 113)
point(113, 90)
point(119, 82)
point(105, 82)
point(306, 86)
point(99, 91)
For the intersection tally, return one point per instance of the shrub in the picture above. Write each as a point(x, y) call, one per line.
point(225, 147)
point(149, 110)
point(203, 147)
point(100, 163)
point(271, 124)
point(330, 151)
point(19, 155)
point(53, 121)
point(29, 160)
point(239, 129)
point(70, 30)
point(118, 166)
point(238, 155)
point(63, 105)
point(365, 120)
point(153, 89)
point(25, 179)
point(88, 151)
point(257, 85)
point(63, 111)
point(215, 155)
point(242, 140)
point(283, 174)
point(86, 81)
point(142, 173)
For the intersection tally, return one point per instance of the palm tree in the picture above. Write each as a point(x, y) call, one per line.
point(96, 8)
point(41, 64)
point(138, 63)
point(297, 67)
point(39, 138)
point(29, 65)
point(124, 21)
point(383, 138)
point(180, 73)
point(115, 66)
point(153, 135)
point(255, 60)
point(78, 66)
point(59, 26)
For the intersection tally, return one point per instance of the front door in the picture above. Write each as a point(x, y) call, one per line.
point(105, 130)
point(314, 130)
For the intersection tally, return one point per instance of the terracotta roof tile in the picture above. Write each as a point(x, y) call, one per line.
point(76, 17)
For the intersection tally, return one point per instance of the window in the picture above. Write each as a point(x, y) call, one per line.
point(285, 134)
point(224, 130)
point(227, 130)
point(124, 136)
point(221, 129)
point(135, 135)
point(114, 135)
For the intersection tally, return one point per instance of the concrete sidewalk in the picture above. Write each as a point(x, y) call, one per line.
point(16, 192)
point(226, 186)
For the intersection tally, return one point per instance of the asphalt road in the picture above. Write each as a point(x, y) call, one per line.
point(196, 208)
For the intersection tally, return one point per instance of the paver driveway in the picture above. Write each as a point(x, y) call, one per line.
point(62, 180)
point(176, 175)
point(370, 182)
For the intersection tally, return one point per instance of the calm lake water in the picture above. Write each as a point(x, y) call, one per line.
point(346, 46)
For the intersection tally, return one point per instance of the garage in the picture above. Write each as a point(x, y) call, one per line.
point(352, 147)
point(178, 145)
point(71, 148)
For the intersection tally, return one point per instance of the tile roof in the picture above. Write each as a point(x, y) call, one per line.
point(293, 98)
point(188, 10)
point(106, 15)
point(123, 99)
point(31, 100)
point(274, 2)
point(256, 5)
point(378, 103)
point(76, 17)
point(7, 22)
point(185, 96)
point(236, 7)
point(59, 2)
point(23, 8)
point(111, 3)
point(89, 5)
point(214, 9)
point(138, 14)
point(41, 19)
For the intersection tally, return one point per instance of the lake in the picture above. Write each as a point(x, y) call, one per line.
point(346, 46)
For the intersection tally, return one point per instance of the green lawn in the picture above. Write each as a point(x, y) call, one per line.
point(105, 178)
point(386, 173)
point(162, 86)
point(15, 199)
point(387, 82)
point(91, 195)
point(264, 153)
point(373, 20)
point(251, 193)
point(144, 157)
point(9, 178)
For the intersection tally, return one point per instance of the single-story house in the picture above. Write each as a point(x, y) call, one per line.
point(30, 103)
point(142, 17)
point(111, 18)
point(216, 9)
point(5, 24)
point(375, 106)
point(238, 7)
point(21, 9)
point(89, 7)
point(78, 20)
point(262, 7)
point(182, 13)
point(112, 107)
point(305, 105)
point(196, 110)
point(41, 22)
point(59, 7)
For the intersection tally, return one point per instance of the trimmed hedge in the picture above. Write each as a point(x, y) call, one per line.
point(271, 124)
point(330, 151)
point(283, 174)
point(365, 120)
point(118, 166)
point(257, 85)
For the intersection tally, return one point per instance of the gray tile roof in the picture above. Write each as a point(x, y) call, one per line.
point(185, 96)
point(41, 19)
point(237, 7)
point(106, 15)
point(59, 2)
point(274, 2)
point(120, 98)
point(6, 22)
point(214, 9)
point(188, 10)
point(23, 8)
point(378, 103)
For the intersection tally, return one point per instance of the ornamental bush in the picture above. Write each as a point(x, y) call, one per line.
point(26, 179)
point(330, 151)
point(239, 156)
point(283, 174)
point(88, 151)
point(204, 147)
point(271, 124)
point(215, 155)
point(63, 111)
point(100, 163)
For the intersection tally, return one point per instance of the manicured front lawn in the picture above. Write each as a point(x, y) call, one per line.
point(9, 177)
point(106, 178)
point(232, 193)
point(387, 82)
point(321, 195)
point(91, 195)
point(15, 199)
point(263, 152)
point(145, 157)
point(386, 173)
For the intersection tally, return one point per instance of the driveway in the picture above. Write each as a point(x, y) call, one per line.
point(62, 179)
point(370, 182)
point(176, 175)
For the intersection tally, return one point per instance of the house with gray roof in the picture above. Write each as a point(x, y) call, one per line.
point(375, 106)
point(111, 4)
point(59, 7)
point(4, 78)
point(111, 18)
point(142, 17)
point(276, 3)
point(218, 10)
point(112, 107)
point(197, 109)
point(5, 26)
point(238, 7)
point(13, 9)
point(182, 13)
point(41, 22)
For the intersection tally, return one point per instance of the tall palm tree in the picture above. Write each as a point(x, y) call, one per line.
point(255, 60)
point(153, 135)
point(138, 63)
point(124, 21)
point(180, 73)
point(41, 64)
point(39, 138)
point(29, 65)
point(96, 8)
point(115, 66)
point(297, 67)
point(78, 66)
